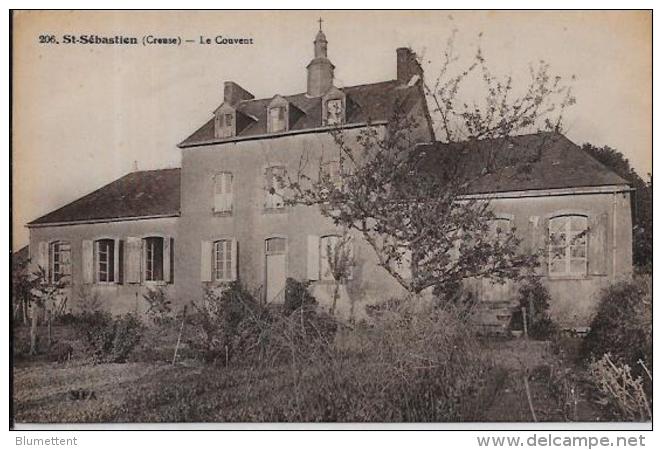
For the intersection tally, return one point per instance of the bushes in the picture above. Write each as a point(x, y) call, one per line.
point(413, 364)
point(159, 310)
point(623, 325)
point(108, 339)
point(624, 394)
point(227, 324)
point(534, 296)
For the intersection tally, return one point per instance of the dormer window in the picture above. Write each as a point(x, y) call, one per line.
point(277, 119)
point(224, 125)
point(334, 106)
point(334, 112)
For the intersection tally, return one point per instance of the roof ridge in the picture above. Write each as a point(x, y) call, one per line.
point(286, 96)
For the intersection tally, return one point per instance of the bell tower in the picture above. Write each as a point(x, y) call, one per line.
point(320, 69)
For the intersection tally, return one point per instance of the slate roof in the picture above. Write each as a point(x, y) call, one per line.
point(366, 102)
point(137, 194)
point(525, 162)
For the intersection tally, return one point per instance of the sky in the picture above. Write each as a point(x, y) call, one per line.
point(85, 115)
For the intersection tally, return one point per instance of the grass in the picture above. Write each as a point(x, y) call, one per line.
point(155, 391)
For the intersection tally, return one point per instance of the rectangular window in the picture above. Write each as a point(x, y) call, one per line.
point(567, 251)
point(277, 119)
point(60, 261)
point(105, 260)
point(223, 260)
point(223, 192)
point(153, 257)
point(224, 125)
point(275, 192)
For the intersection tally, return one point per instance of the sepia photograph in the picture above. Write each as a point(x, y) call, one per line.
point(442, 218)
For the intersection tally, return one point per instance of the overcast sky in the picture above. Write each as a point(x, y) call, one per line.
point(83, 114)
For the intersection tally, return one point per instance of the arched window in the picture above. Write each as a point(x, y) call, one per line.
point(153, 258)
point(568, 245)
point(59, 257)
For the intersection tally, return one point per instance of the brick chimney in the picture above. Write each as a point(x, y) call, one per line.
point(408, 66)
point(233, 93)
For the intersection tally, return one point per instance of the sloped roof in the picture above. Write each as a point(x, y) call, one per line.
point(365, 103)
point(20, 256)
point(528, 162)
point(518, 163)
point(137, 194)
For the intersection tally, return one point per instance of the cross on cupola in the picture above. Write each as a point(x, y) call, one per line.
point(320, 69)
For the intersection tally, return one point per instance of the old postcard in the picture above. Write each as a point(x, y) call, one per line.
point(347, 217)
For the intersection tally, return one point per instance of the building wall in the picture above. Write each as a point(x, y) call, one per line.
point(117, 298)
point(574, 299)
point(250, 224)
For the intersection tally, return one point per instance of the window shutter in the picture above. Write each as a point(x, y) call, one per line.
point(537, 237)
point(313, 257)
point(205, 261)
point(233, 255)
point(88, 261)
point(167, 274)
point(597, 245)
point(42, 259)
point(117, 254)
point(133, 258)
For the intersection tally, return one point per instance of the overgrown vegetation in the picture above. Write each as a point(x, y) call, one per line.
point(623, 324)
point(534, 297)
point(226, 324)
point(624, 395)
point(159, 306)
point(620, 346)
point(108, 339)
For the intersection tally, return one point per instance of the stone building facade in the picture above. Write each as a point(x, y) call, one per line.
point(220, 218)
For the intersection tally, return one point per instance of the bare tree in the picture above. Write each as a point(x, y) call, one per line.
point(340, 259)
point(42, 292)
point(414, 205)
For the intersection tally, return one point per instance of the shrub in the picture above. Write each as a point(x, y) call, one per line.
point(297, 296)
point(413, 364)
point(623, 394)
point(623, 325)
point(108, 339)
point(159, 309)
point(534, 296)
point(227, 323)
